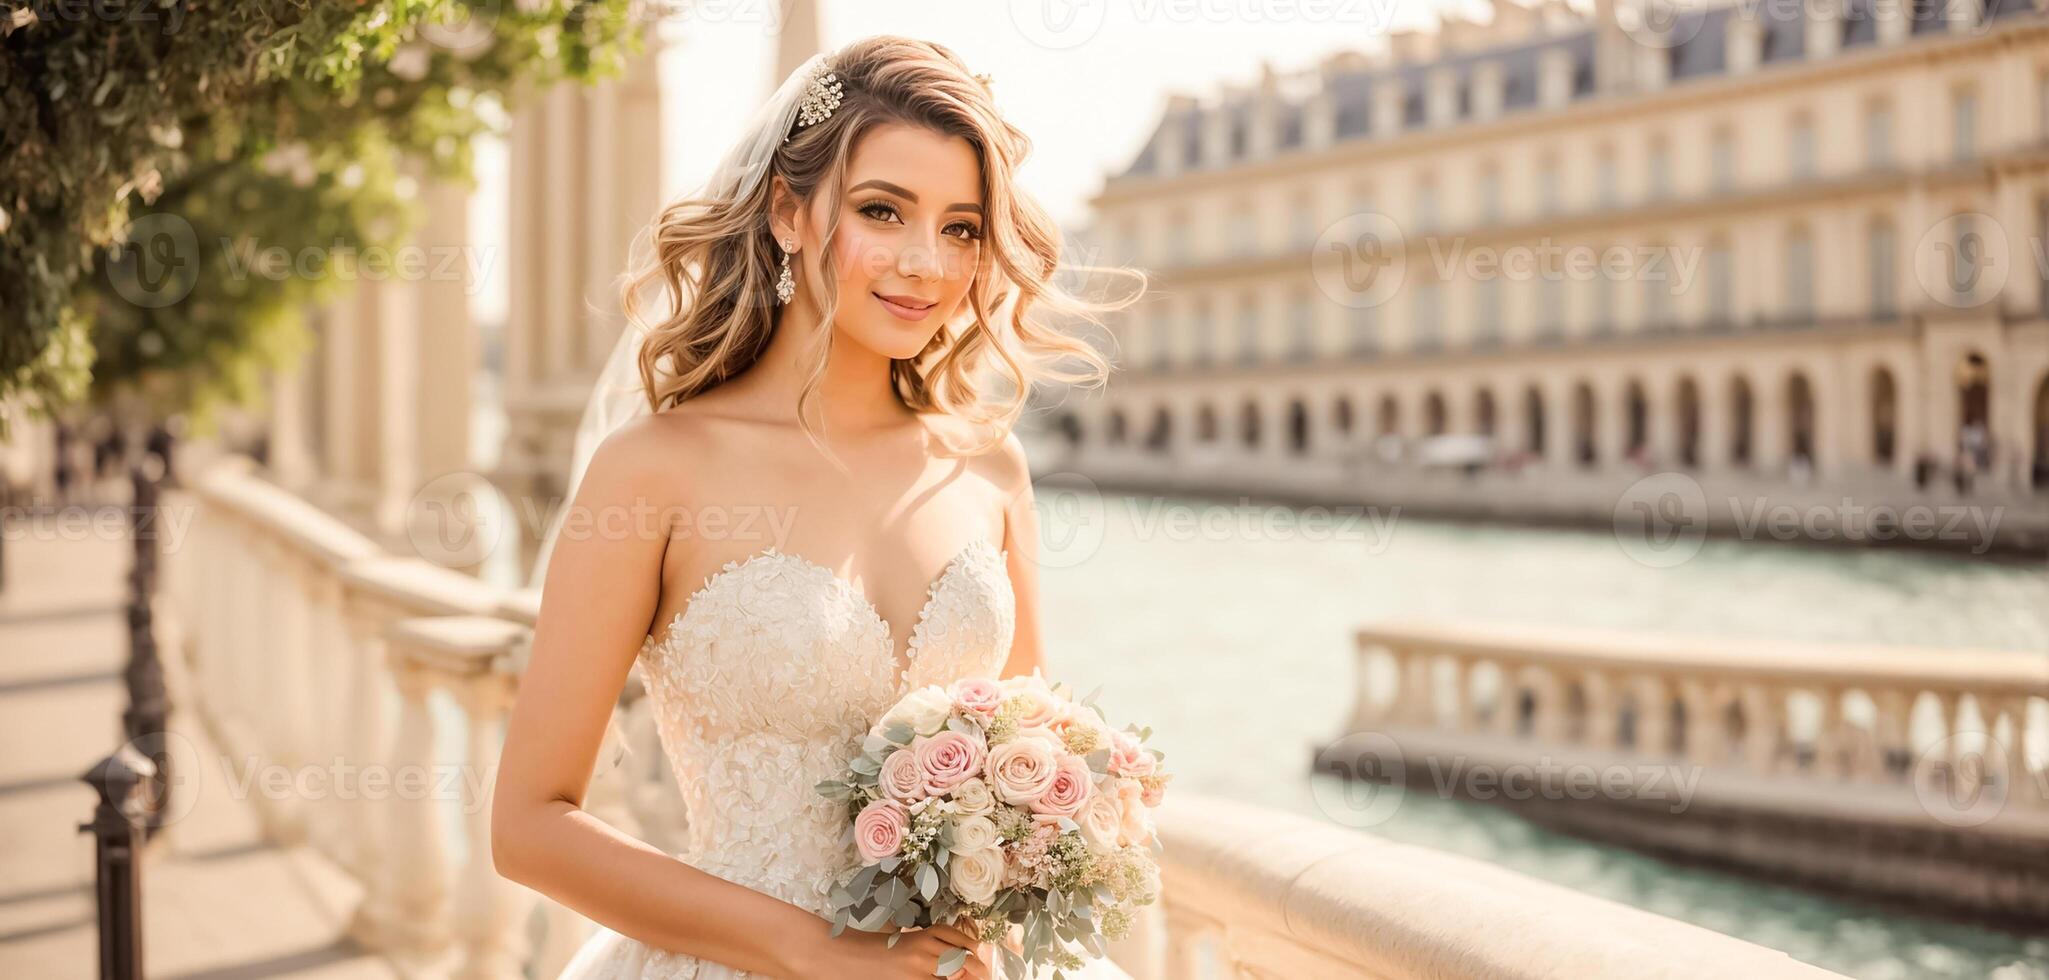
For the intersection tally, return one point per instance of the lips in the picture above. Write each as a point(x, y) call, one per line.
point(907, 307)
point(907, 302)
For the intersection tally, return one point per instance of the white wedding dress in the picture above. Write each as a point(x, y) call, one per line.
point(763, 685)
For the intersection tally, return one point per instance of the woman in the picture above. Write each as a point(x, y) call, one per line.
point(819, 508)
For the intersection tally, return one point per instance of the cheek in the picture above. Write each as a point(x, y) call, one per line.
point(859, 256)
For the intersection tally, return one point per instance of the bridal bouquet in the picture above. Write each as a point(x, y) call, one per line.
point(992, 803)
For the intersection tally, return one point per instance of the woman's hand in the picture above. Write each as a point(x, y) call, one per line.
point(916, 955)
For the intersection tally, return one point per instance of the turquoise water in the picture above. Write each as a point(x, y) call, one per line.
point(1227, 631)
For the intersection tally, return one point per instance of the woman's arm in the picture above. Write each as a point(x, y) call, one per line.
point(602, 588)
point(1021, 537)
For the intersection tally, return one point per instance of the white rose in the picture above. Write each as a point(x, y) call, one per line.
point(1101, 821)
point(975, 875)
point(972, 796)
point(974, 833)
point(924, 709)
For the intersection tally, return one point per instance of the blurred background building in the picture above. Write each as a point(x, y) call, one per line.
point(1782, 247)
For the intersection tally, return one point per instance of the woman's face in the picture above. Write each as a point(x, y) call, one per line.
point(909, 236)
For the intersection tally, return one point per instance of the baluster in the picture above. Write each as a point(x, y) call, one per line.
point(371, 721)
point(1829, 745)
point(1187, 933)
point(1762, 726)
point(1966, 770)
point(1548, 716)
point(1464, 704)
point(1418, 702)
point(1602, 710)
point(1702, 734)
point(1653, 717)
point(405, 908)
point(1894, 708)
point(491, 909)
point(2026, 786)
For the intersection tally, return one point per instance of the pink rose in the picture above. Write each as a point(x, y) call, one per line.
point(1068, 791)
point(1135, 829)
point(1128, 757)
point(947, 759)
point(900, 779)
point(1040, 707)
point(978, 696)
point(879, 829)
point(1020, 770)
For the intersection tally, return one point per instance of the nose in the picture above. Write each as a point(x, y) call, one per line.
point(919, 259)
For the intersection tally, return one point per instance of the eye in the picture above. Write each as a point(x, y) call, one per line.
point(879, 210)
point(966, 229)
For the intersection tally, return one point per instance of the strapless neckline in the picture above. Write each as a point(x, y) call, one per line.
point(901, 662)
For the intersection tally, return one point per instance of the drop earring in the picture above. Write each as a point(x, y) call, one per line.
point(785, 283)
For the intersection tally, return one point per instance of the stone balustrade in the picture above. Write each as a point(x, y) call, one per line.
point(1799, 757)
point(313, 649)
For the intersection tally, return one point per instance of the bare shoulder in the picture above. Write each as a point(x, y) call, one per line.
point(647, 454)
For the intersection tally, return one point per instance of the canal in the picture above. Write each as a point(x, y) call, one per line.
point(1225, 624)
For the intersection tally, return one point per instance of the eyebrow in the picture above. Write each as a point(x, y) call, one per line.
point(908, 196)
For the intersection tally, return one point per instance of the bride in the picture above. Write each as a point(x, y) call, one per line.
point(806, 504)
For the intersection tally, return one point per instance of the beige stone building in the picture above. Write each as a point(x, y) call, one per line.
point(1769, 244)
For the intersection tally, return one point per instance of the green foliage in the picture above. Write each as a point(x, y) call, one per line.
point(229, 132)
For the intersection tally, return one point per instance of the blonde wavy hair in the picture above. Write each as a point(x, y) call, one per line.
point(715, 261)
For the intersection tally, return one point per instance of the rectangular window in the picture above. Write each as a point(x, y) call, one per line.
point(1878, 135)
point(1799, 277)
point(1487, 318)
point(1721, 284)
point(1800, 149)
point(1722, 160)
point(1883, 265)
point(1426, 317)
point(1302, 327)
point(1660, 169)
point(1963, 124)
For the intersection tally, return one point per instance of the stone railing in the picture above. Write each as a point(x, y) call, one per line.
point(311, 649)
point(1810, 754)
point(380, 685)
point(1262, 894)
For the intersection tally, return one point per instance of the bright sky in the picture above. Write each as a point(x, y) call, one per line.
point(1085, 79)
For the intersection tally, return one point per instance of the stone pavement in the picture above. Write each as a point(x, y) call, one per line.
point(218, 900)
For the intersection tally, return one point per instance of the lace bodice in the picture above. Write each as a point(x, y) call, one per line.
point(766, 681)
